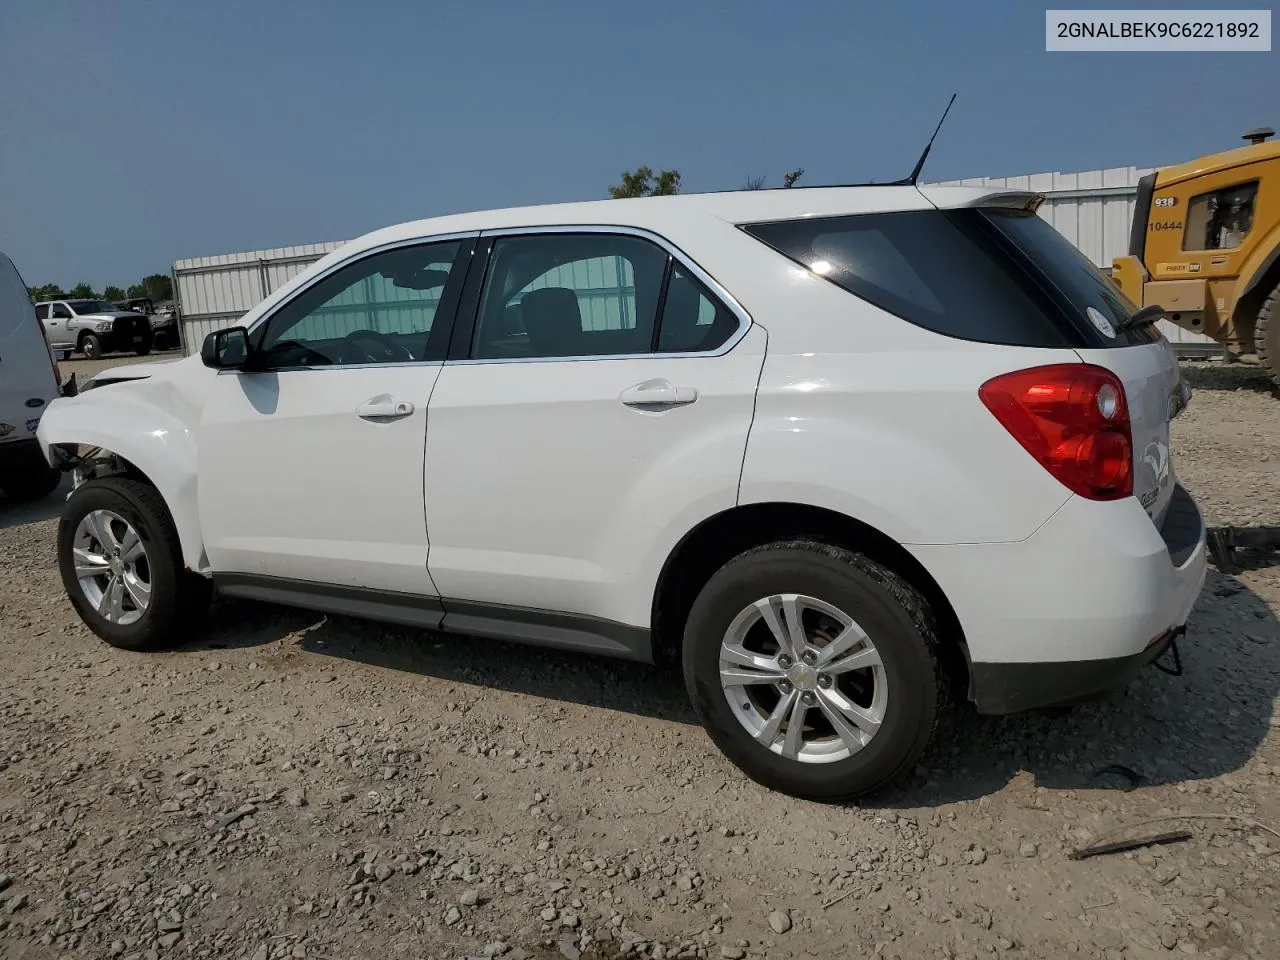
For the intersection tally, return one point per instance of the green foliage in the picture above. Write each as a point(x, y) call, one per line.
point(790, 179)
point(642, 183)
point(47, 291)
point(156, 286)
point(667, 185)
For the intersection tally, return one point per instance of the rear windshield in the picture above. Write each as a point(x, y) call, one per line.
point(992, 275)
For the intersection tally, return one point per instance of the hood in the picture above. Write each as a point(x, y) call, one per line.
point(109, 315)
point(139, 371)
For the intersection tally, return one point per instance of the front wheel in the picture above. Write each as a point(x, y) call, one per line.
point(814, 669)
point(142, 349)
point(121, 565)
point(91, 346)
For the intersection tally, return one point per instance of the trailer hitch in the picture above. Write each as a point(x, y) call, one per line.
point(1174, 669)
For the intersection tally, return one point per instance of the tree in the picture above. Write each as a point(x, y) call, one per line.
point(113, 293)
point(668, 184)
point(157, 287)
point(642, 183)
point(47, 291)
point(82, 291)
point(788, 180)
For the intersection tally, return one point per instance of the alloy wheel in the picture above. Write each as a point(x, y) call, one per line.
point(803, 678)
point(112, 567)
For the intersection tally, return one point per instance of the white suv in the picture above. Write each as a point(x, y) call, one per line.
point(830, 449)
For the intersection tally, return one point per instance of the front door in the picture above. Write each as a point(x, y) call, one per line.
point(311, 467)
point(57, 327)
point(580, 438)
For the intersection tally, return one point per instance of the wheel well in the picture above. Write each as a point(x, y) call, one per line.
point(95, 462)
point(719, 539)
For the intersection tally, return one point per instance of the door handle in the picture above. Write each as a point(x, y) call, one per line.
point(384, 407)
point(657, 394)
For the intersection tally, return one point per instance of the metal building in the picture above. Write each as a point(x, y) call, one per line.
point(215, 292)
point(1093, 210)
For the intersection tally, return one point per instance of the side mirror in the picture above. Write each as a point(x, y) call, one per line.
point(226, 349)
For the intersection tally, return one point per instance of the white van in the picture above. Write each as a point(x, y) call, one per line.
point(29, 381)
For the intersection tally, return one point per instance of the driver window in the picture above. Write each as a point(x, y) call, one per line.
point(60, 312)
point(376, 310)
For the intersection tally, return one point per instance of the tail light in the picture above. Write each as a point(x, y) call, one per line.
point(1073, 419)
point(57, 373)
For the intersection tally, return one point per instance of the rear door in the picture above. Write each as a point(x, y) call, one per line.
point(572, 432)
point(27, 382)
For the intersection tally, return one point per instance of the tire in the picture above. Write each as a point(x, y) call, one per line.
point(894, 618)
point(34, 484)
point(178, 598)
point(1266, 335)
point(143, 349)
point(90, 346)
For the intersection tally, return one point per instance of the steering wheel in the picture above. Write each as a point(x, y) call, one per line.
point(370, 346)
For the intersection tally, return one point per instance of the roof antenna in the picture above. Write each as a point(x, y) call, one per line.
point(915, 172)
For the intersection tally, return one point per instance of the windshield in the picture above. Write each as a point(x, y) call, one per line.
point(90, 306)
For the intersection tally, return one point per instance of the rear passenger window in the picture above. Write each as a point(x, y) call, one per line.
point(569, 295)
point(929, 268)
point(692, 321)
point(42, 311)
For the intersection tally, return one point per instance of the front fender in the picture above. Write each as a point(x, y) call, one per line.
point(153, 438)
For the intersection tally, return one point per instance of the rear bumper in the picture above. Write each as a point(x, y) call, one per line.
point(997, 688)
point(1077, 608)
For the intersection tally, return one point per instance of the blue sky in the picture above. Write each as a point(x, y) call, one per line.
point(134, 133)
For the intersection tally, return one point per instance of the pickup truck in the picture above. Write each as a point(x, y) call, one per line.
point(94, 328)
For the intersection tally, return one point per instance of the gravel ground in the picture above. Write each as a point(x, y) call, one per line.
point(289, 786)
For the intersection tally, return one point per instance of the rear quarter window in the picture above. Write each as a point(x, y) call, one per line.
point(970, 274)
point(922, 266)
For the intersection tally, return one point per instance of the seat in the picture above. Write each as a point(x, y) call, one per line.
point(553, 321)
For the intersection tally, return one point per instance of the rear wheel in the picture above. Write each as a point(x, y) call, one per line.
point(121, 565)
point(814, 669)
point(90, 346)
point(1266, 334)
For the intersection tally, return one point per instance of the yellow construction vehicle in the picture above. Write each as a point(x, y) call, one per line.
point(1205, 246)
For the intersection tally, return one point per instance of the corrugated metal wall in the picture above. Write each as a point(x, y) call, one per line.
point(214, 292)
point(1093, 210)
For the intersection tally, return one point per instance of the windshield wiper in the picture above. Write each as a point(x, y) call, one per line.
point(1143, 318)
